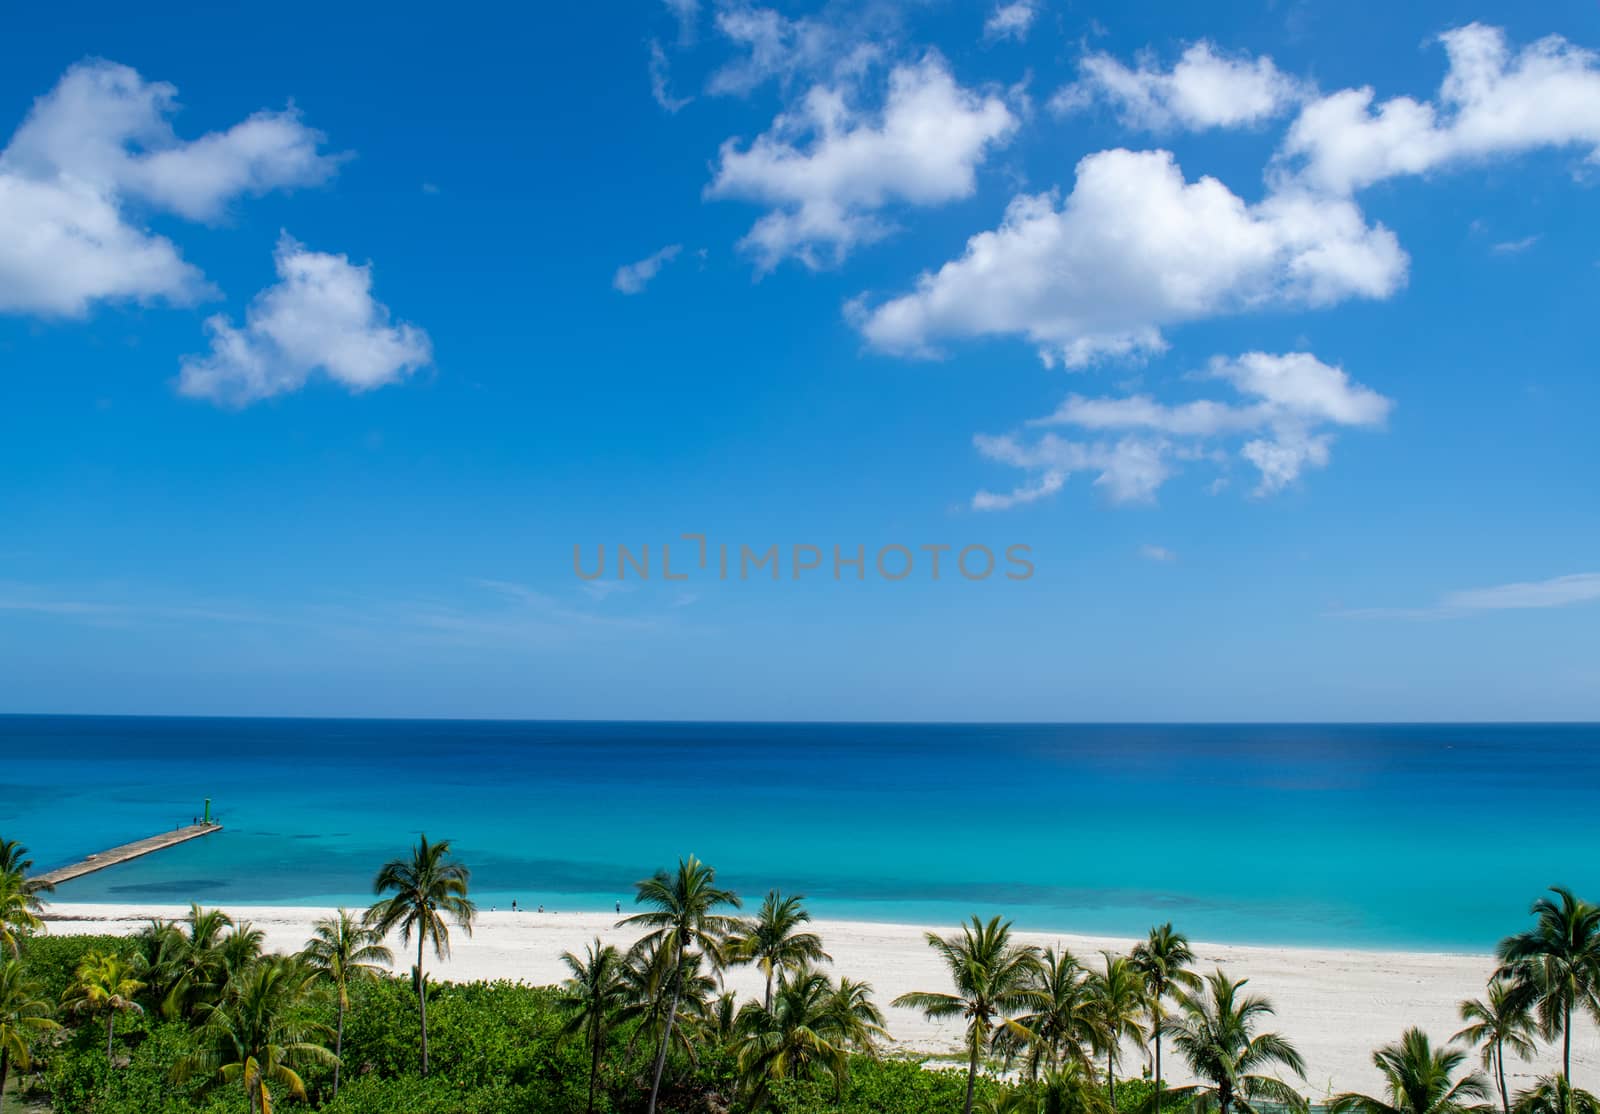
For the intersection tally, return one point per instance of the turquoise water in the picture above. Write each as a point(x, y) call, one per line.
point(1403, 836)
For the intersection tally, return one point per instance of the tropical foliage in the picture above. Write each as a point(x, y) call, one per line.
point(194, 1016)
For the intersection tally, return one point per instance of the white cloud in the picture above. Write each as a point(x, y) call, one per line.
point(1514, 247)
point(774, 47)
point(1132, 249)
point(102, 141)
point(829, 167)
point(687, 13)
point(1280, 425)
point(1560, 591)
point(632, 278)
point(1492, 102)
point(660, 69)
point(1011, 20)
point(1158, 553)
point(319, 317)
point(1204, 89)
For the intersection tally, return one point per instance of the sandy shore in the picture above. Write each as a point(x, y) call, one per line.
point(1335, 1005)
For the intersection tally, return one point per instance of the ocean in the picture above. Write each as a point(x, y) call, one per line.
point(1430, 837)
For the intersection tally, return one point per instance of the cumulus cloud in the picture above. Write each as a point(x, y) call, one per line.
point(1134, 248)
point(632, 278)
point(1011, 20)
point(828, 168)
point(1204, 89)
point(101, 143)
point(319, 316)
point(1279, 423)
point(1493, 102)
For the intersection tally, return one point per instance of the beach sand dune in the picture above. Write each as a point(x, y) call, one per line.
point(1336, 1005)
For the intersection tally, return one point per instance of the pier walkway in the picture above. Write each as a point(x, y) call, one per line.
point(102, 859)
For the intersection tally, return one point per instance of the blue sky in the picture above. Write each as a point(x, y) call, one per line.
point(1267, 328)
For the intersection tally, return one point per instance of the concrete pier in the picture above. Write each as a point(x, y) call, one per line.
point(102, 859)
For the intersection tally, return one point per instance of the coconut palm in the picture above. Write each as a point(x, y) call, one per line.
point(798, 1037)
point(856, 1017)
point(104, 983)
point(993, 977)
point(773, 940)
point(1554, 1095)
point(591, 998)
point(1163, 960)
point(14, 860)
point(342, 950)
point(20, 910)
point(1214, 1031)
point(1419, 1079)
point(682, 915)
point(198, 969)
point(1555, 966)
point(1062, 1025)
point(24, 1018)
point(1117, 1003)
point(158, 954)
point(258, 1033)
point(648, 976)
point(415, 896)
point(1498, 1023)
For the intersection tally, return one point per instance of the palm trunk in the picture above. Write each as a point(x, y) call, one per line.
point(594, 1064)
point(5, 1069)
point(666, 1034)
point(1500, 1074)
point(1224, 1098)
point(338, 1047)
point(972, 1072)
point(111, 1032)
point(422, 1003)
point(768, 999)
point(1158, 1066)
point(1566, 1048)
point(1111, 1073)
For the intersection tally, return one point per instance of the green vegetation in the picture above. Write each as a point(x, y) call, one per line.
point(194, 1017)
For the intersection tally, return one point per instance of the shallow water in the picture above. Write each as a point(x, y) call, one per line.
point(1368, 836)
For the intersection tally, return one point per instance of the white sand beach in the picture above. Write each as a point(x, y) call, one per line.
point(1336, 1005)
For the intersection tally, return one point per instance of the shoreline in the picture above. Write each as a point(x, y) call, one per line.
point(1335, 1004)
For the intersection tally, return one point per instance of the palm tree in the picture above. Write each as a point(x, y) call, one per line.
point(24, 1018)
point(1498, 1023)
point(1062, 1022)
point(682, 915)
point(796, 1038)
point(1555, 966)
point(649, 977)
point(1163, 959)
point(159, 950)
point(258, 1033)
point(198, 967)
point(1117, 1002)
point(21, 908)
point(422, 891)
point(592, 997)
point(342, 951)
point(1554, 1095)
point(1419, 1079)
point(104, 983)
point(773, 941)
point(856, 1017)
point(1215, 1033)
point(993, 977)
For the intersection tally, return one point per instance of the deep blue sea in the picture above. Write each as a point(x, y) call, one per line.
point(1367, 836)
